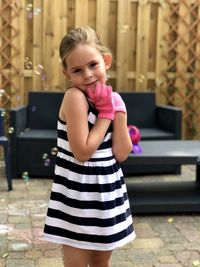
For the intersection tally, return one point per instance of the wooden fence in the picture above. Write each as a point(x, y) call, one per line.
point(155, 45)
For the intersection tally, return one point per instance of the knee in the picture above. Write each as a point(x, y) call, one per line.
point(100, 260)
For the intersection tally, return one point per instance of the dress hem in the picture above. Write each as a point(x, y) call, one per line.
point(87, 245)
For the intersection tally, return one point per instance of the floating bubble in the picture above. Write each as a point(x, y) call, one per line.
point(33, 108)
point(37, 11)
point(28, 63)
point(45, 156)
point(25, 176)
point(47, 162)
point(29, 7)
point(2, 92)
point(39, 69)
point(54, 151)
point(11, 130)
point(3, 113)
point(43, 77)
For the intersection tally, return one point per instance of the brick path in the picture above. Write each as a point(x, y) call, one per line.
point(162, 241)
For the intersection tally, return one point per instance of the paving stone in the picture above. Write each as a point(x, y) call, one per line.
point(187, 257)
point(168, 259)
point(46, 262)
point(21, 263)
point(148, 243)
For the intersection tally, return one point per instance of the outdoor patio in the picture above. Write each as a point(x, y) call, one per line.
point(169, 240)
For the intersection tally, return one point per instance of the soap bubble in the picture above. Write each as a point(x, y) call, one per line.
point(33, 108)
point(45, 156)
point(2, 92)
point(47, 162)
point(11, 130)
point(25, 176)
point(39, 69)
point(54, 151)
point(29, 7)
point(3, 113)
point(28, 63)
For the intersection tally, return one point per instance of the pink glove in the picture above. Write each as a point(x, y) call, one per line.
point(101, 96)
point(119, 105)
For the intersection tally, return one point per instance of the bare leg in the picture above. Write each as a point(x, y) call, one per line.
point(75, 257)
point(100, 259)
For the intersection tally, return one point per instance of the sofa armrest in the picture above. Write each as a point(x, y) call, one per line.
point(18, 119)
point(2, 110)
point(169, 118)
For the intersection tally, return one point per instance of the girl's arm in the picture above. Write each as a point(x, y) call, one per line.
point(75, 111)
point(121, 142)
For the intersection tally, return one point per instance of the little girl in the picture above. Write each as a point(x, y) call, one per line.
point(89, 211)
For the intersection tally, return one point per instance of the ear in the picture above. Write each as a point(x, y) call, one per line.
point(108, 61)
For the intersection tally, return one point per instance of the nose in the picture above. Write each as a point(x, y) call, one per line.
point(88, 74)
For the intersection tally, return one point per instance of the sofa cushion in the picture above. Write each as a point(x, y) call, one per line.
point(141, 108)
point(155, 134)
point(43, 109)
point(37, 135)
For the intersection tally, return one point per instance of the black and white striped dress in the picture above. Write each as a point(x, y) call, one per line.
point(88, 206)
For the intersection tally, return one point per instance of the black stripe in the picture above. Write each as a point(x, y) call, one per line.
point(68, 153)
point(101, 239)
point(88, 221)
point(106, 144)
point(88, 170)
point(89, 204)
point(86, 187)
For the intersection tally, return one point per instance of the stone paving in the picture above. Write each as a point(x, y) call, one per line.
point(162, 240)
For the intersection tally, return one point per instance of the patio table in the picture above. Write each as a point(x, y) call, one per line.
point(166, 197)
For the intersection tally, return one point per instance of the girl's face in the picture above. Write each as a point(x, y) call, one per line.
point(86, 66)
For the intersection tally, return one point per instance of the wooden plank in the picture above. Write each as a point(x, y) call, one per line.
point(102, 20)
point(63, 26)
point(132, 46)
point(161, 47)
point(142, 45)
point(81, 13)
point(37, 44)
point(48, 21)
point(183, 56)
point(1, 42)
point(122, 45)
point(197, 81)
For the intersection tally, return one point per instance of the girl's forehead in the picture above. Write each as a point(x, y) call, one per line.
point(83, 53)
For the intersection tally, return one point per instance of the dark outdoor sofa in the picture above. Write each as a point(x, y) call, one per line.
point(34, 135)
point(155, 123)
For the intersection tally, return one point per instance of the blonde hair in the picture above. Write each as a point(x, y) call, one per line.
point(82, 35)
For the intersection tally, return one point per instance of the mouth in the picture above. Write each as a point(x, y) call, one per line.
point(91, 84)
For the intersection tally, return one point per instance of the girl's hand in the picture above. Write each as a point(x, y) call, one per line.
point(119, 105)
point(101, 96)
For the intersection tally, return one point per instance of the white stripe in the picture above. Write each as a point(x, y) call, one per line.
point(100, 153)
point(92, 118)
point(89, 213)
point(89, 179)
point(89, 245)
point(90, 230)
point(61, 126)
point(88, 163)
point(89, 196)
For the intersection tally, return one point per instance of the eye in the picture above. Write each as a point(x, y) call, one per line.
point(93, 64)
point(77, 70)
